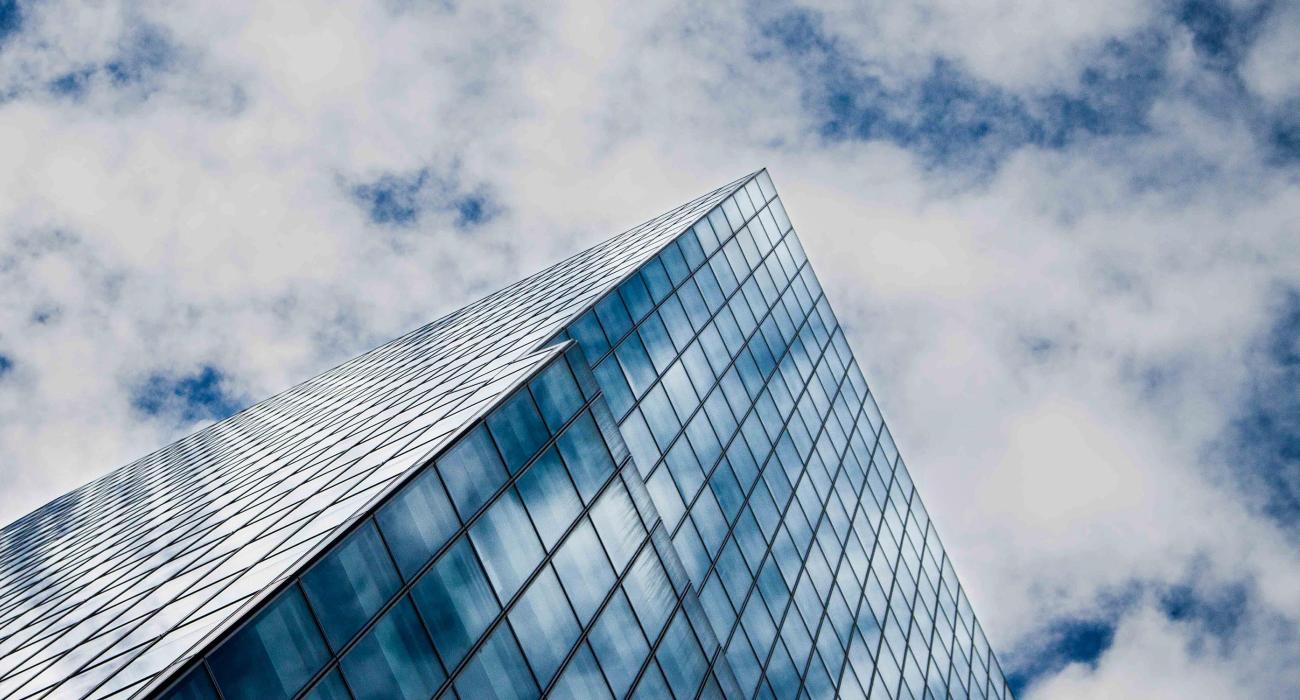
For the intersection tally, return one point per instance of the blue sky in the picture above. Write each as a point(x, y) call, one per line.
point(1062, 237)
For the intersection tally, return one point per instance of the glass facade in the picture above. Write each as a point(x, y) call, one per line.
point(653, 470)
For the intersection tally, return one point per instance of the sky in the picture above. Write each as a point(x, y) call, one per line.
point(1064, 239)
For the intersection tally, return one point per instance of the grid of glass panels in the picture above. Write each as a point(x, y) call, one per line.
point(107, 590)
point(525, 559)
point(767, 457)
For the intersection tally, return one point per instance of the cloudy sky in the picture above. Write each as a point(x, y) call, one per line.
point(1064, 238)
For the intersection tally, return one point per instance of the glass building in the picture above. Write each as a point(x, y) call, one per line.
point(652, 470)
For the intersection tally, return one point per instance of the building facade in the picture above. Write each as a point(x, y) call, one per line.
point(653, 470)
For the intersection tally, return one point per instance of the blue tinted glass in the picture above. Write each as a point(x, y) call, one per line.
point(636, 297)
point(619, 526)
point(550, 497)
point(394, 659)
point(617, 393)
point(632, 356)
point(676, 264)
point(331, 687)
point(472, 470)
point(650, 591)
point(674, 317)
point(497, 671)
point(659, 416)
point(456, 602)
point(657, 342)
point(656, 279)
point(274, 655)
point(506, 543)
point(620, 648)
point(681, 658)
point(350, 584)
point(584, 570)
point(587, 332)
point(545, 625)
point(417, 522)
point(557, 394)
point(691, 249)
point(584, 453)
point(518, 429)
point(195, 686)
point(640, 442)
point(581, 680)
point(652, 685)
point(613, 317)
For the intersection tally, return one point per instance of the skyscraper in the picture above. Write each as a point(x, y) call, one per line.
point(652, 470)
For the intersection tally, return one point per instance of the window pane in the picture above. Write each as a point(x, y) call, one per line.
point(550, 497)
point(394, 659)
point(272, 657)
point(417, 522)
point(681, 659)
point(650, 592)
point(617, 523)
point(472, 470)
point(584, 453)
point(557, 394)
point(350, 584)
point(456, 602)
point(632, 357)
point(581, 680)
point(613, 317)
point(545, 625)
point(331, 687)
point(618, 643)
point(586, 330)
point(518, 429)
point(656, 279)
point(195, 686)
point(506, 543)
point(584, 570)
point(497, 671)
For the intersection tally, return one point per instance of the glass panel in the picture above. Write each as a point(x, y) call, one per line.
point(456, 602)
point(417, 522)
point(472, 470)
point(394, 659)
point(350, 584)
point(331, 687)
point(650, 592)
point(545, 625)
point(618, 643)
point(681, 659)
point(506, 543)
point(549, 495)
point(581, 680)
point(518, 429)
point(557, 394)
point(584, 570)
point(586, 330)
point(617, 523)
point(195, 686)
point(497, 671)
point(274, 655)
point(584, 452)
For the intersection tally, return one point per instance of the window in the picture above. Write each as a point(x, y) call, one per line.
point(331, 687)
point(274, 655)
point(518, 430)
point(584, 570)
point(549, 496)
point(582, 679)
point(681, 658)
point(195, 686)
point(557, 394)
point(506, 543)
point(617, 523)
point(584, 453)
point(351, 584)
point(544, 623)
point(417, 521)
point(456, 602)
point(497, 671)
point(394, 659)
point(632, 356)
point(618, 643)
point(472, 470)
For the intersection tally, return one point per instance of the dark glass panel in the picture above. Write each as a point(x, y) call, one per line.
point(331, 687)
point(506, 543)
point(456, 601)
point(195, 686)
point(417, 521)
point(518, 429)
point(557, 394)
point(351, 584)
point(497, 671)
point(274, 655)
point(394, 659)
point(584, 452)
point(472, 470)
point(549, 496)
